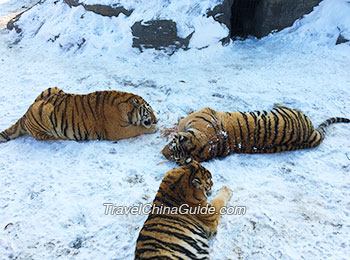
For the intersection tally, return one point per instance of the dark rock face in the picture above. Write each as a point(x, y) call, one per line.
point(104, 10)
point(278, 14)
point(259, 17)
point(242, 17)
point(159, 35)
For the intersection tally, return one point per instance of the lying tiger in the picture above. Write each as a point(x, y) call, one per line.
point(102, 115)
point(182, 236)
point(207, 134)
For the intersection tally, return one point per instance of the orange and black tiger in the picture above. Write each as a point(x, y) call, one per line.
point(171, 232)
point(207, 134)
point(102, 115)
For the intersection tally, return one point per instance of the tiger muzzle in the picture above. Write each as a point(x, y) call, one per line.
point(147, 122)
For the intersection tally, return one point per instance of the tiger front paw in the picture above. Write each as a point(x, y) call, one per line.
point(225, 192)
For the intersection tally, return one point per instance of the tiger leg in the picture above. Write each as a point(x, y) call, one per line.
point(48, 92)
point(41, 135)
point(37, 127)
point(15, 131)
point(218, 202)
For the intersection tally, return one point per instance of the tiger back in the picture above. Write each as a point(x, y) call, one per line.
point(167, 235)
point(207, 133)
point(102, 115)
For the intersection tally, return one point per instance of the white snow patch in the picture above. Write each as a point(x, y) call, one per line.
point(53, 192)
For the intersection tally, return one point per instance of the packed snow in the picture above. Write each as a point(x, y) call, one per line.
point(52, 193)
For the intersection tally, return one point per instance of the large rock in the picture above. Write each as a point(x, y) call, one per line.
point(273, 15)
point(104, 10)
point(159, 35)
point(260, 17)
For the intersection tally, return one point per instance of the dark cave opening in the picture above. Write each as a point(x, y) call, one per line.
point(242, 18)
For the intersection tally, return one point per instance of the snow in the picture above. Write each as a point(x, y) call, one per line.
point(53, 192)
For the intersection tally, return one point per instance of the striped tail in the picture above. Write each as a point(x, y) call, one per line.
point(322, 127)
point(15, 131)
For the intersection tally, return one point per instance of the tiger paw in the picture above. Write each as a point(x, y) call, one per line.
point(226, 192)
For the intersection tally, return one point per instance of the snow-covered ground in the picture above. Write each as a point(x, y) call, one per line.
point(52, 193)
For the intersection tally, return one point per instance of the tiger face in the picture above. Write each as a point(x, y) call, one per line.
point(192, 182)
point(142, 113)
point(179, 149)
point(201, 183)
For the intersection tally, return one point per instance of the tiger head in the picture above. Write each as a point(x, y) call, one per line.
point(141, 113)
point(192, 183)
point(180, 148)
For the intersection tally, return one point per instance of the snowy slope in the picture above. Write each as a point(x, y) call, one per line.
point(53, 192)
point(71, 25)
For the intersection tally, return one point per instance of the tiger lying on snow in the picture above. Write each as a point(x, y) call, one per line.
point(207, 134)
point(182, 236)
point(102, 115)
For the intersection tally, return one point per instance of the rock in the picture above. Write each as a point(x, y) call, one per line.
point(341, 39)
point(159, 35)
point(243, 16)
point(104, 10)
point(259, 17)
point(271, 15)
point(11, 24)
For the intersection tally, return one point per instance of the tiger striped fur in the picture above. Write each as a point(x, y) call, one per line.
point(207, 134)
point(182, 236)
point(102, 115)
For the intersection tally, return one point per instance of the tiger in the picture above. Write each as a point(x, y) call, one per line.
point(171, 232)
point(208, 134)
point(101, 115)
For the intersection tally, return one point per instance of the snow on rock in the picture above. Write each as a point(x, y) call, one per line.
point(69, 24)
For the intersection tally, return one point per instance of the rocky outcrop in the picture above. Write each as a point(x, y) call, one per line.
point(159, 35)
point(104, 10)
point(271, 15)
point(241, 17)
point(260, 17)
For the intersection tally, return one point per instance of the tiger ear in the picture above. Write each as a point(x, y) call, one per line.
point(185, 162)
point(188, 160)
